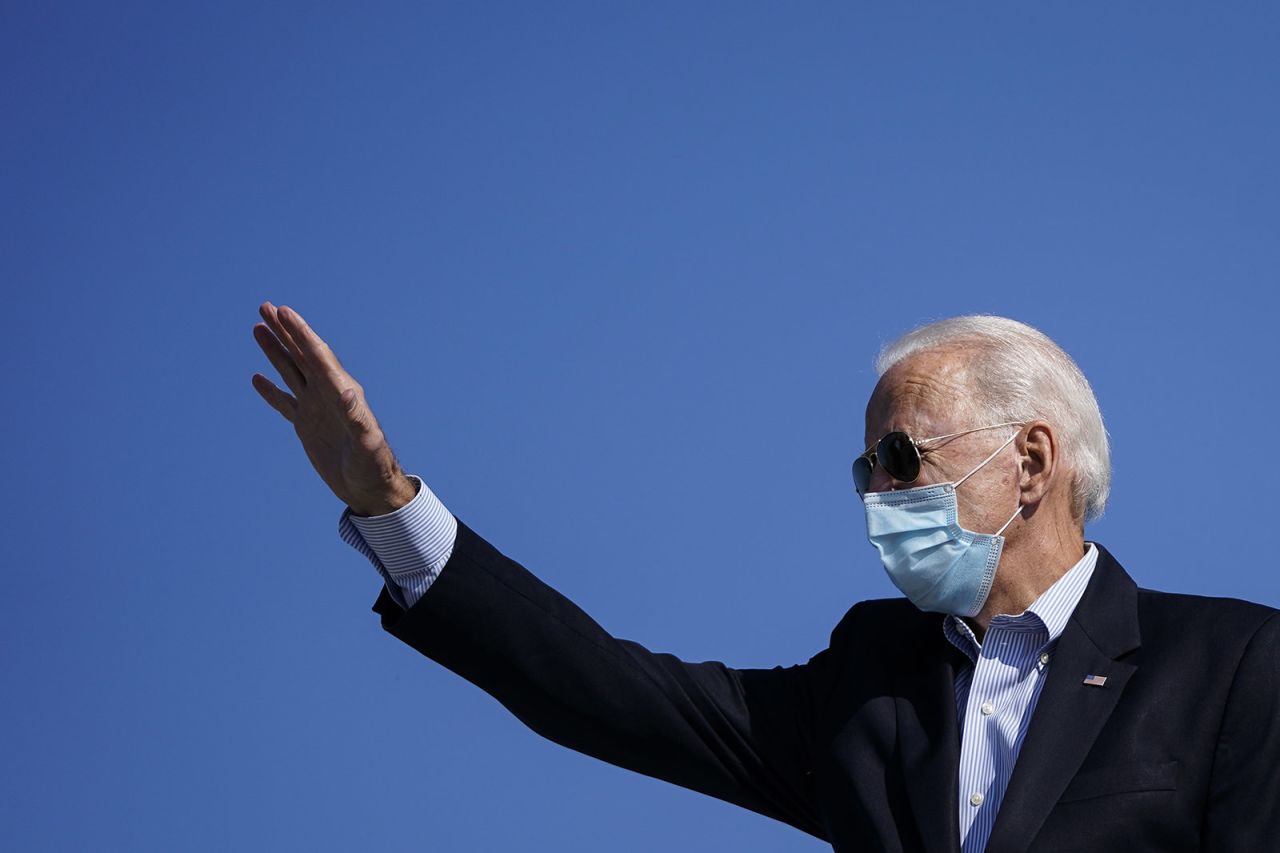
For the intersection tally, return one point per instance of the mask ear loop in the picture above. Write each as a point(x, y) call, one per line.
point(1017, 512)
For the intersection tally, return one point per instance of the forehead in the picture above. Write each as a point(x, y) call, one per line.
point(925, 394)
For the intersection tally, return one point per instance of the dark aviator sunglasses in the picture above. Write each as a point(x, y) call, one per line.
point(899, 455)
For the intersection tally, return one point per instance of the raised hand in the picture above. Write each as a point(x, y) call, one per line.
point(328, 411)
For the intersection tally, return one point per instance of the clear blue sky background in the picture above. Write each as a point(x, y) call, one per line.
point(613, 277)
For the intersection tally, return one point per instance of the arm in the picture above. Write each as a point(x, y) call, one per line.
point(741, 735)
point(745, 736)
point(1244, 790)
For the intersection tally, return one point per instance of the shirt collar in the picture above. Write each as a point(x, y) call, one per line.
point(1050, 612)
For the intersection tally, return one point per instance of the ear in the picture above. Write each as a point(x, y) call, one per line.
point(1038, 452)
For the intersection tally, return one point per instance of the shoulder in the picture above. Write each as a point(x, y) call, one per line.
point(885, 620)
point(1190, 612)
point(1219, 632)
point(1206, 626)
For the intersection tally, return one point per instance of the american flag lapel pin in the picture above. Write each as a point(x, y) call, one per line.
point(1095, 680)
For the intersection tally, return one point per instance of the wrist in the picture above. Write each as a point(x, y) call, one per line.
point(399, 492)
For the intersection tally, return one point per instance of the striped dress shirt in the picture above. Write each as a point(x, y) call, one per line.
point(995, 697)
point(408, 547)
point(997, 694)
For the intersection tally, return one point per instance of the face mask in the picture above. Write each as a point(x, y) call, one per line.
point(938, 565)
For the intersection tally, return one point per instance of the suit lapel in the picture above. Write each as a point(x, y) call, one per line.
point(929, 740)
point(1070, 714)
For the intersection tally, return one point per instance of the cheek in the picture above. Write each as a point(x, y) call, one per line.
point(990, 503)
point(981, 516)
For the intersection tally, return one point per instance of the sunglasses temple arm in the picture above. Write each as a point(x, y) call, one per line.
point(967, 431)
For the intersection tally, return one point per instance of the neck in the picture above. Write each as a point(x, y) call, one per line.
point(1027, 568)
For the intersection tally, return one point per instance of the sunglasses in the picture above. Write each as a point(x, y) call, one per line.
point(899, 455)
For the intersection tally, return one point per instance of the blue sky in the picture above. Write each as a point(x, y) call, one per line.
point(613, 278)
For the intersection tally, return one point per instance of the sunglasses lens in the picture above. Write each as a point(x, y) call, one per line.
point(861, 474)
point(899, 457)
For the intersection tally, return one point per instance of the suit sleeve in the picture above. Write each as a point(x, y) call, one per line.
point(745, 736)
point(1244, 797)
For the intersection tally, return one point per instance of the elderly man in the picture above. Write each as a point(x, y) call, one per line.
point(1026, 695)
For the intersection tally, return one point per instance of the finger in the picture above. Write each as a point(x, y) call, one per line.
point(277, 399)
point(279, 358)
point(312, 348)
point(271, 315)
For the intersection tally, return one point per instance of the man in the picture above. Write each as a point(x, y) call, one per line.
point(1026, 695)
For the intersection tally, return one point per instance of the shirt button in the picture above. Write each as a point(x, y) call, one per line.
point(1044, 658)
point(987, 710)
point(975, 799)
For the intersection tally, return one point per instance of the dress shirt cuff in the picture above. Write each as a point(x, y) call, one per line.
point(408, 547)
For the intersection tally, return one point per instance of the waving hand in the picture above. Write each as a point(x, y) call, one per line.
point(330, 415)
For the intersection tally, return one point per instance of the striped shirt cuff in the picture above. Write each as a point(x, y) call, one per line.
point(408, 547)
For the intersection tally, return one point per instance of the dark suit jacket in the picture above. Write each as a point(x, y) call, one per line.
point(1180, 750)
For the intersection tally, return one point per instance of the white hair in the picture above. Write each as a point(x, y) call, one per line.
point(1017, 373)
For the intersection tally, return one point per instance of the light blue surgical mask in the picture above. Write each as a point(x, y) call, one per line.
point(938, 565)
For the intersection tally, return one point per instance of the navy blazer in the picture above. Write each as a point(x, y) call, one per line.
point(1180, 750)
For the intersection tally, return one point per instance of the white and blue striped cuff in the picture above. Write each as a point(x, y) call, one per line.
point(408, 547)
